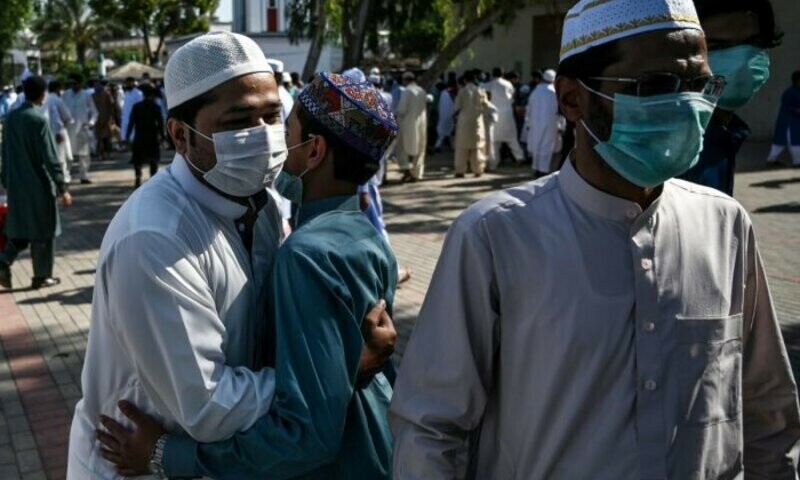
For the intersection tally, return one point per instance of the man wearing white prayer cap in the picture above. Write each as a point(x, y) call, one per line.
point(286, 98)
point(177, 318)
point(541, 119)
point(605, 321)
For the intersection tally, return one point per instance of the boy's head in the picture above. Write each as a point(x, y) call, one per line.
point(338, 132)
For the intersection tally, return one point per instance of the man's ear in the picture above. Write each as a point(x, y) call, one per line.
point(179, 134)
point(319, 150)
point(569, 98)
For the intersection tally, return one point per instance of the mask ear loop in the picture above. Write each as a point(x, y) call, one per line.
point(186, 156)
point(599, 94)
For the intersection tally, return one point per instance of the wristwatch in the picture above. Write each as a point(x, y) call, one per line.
point(157, 457)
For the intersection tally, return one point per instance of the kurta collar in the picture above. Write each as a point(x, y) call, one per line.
point(595, 201)
point(311, 210)
point(202, 194)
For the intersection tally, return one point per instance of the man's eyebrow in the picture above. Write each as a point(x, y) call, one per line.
point(246, 107)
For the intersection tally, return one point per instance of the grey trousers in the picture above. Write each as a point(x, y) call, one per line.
point(42, 254)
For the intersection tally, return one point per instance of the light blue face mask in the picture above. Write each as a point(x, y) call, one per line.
point(746, 70)
point(290, 186)
point(654, 138)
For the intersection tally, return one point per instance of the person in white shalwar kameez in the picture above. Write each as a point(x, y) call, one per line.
point(178, 322)
point(606, 321)
point(132, 96)
point(84, 114)
point(412, 119)
point(501, 92)
point(446, 124)
point(542, 120)
point(60, 118)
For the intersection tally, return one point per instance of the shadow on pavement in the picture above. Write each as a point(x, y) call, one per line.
point(776, 183)
point(78, 296)
point(791, 207)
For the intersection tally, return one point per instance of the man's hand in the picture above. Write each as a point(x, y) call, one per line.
point(379, 341)
point(59, 138)
point(66, 199)
point(363, 199)
point(129, 451)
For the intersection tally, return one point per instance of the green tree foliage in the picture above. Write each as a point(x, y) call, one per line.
point(71, 24)
point(159, 19)
point(14, 14)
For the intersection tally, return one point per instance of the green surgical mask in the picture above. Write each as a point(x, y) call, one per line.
point(746, 70)
point(654, 138)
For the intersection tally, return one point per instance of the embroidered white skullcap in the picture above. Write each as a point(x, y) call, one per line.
point(374, 78)
point(277, 65)
point(591, 23)
point(549, 76)
point(355, 75)
point(286, 77)
point(374, 71)
point(208, 61)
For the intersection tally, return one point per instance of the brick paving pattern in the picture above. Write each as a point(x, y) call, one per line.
point(43, 333)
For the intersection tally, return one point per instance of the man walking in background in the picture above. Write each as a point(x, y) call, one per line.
point(84, 115)
point(59, 117)
point(471, 104)
point(542, 119)
point(502, 92)
point(412, 119)
point(33, 179)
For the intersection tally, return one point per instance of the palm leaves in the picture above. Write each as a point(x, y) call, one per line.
point(71, 25)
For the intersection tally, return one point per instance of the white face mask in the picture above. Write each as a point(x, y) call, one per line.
point(248, 160)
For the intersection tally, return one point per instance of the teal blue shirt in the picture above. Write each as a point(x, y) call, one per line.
point(323, 423)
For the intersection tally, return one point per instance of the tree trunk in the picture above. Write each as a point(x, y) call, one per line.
point(353, 42)
point(360, 33)
point(80, 53)
point(317, 42)
point(155, 57)
point(148, 54)
point(455, 46)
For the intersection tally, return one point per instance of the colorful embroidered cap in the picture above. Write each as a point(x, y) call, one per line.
point(591, 23)
point(355, 112)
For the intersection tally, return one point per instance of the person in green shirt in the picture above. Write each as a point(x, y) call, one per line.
point(34, 181)
point(326, 422)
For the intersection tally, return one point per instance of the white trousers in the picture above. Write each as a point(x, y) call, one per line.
point(516, 151)
point(84, 162)
point(777, 150)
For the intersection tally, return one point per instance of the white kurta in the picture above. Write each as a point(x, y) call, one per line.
point(84, 115)
point(542, 123)
point(412, 121)
point(502, 93)
point(446, 123)
point(131, 98)
point(176, 317)
point(59, 117)
point(567, 334)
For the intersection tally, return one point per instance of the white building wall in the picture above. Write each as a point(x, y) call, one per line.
point(512, 47)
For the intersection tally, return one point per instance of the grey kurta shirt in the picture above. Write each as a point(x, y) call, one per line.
point(567, 334)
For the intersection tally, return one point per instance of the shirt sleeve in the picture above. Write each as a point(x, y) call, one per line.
point(92, 109)
point(172, 330)
point(318, 349)
point(441, 390)
point(771, 418)
point(47, 149)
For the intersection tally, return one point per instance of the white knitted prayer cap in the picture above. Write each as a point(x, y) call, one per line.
point(277, 65)
point(549, 76)
point(208, 61)
point(591, 23)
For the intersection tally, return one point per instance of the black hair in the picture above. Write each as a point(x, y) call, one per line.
point(497, 72)
point(54, 86)
point(186, 112)
point(349, 164)
point(150, 91)
point(34, 88)
point(129, 79)
point(796, 76)
point(76, 77)
point(469, 76)
point(769, 35)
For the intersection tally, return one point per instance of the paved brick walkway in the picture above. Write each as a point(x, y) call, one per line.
point(43, 333)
